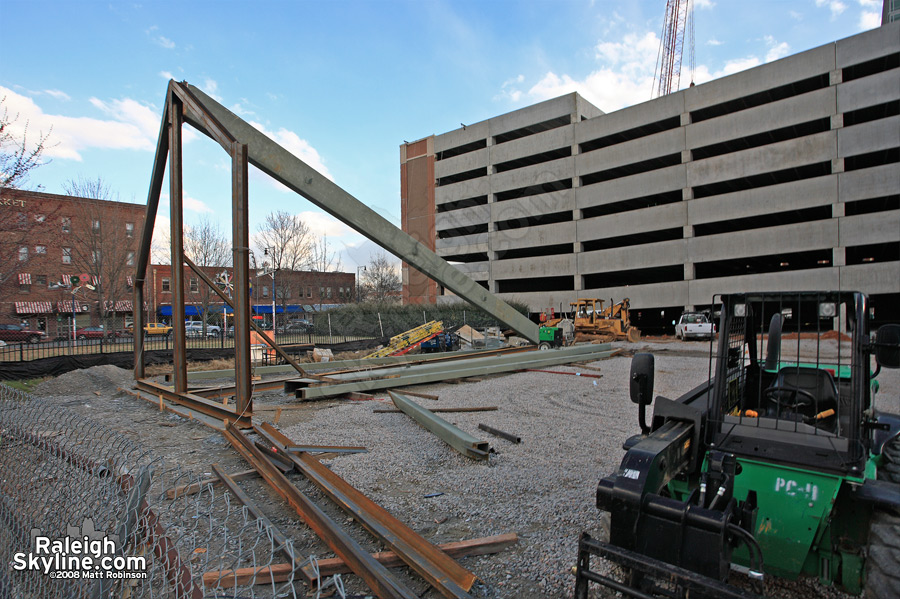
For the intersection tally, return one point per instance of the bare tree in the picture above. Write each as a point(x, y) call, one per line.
point(285, 243)
point(208, 248)
point(380, 280)
point(103, 247)
point(322, 259)
point(17, 160)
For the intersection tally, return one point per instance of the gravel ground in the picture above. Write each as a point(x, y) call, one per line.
point(572, 429)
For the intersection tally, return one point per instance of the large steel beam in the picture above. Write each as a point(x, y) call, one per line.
point(289, 170)
point(442, 572)
point(453, 436)
point(176, 219)
point(452, 370)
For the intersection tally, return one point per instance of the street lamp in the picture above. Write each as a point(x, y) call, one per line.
point(272, 273)
point(358, 284)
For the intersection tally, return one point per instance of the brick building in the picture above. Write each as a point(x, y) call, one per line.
point(295, 292)
point(46, 239)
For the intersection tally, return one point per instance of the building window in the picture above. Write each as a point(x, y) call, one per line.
point(21, 220)
point(39, 218)
point(129, 229)
point(129, 259)
point(67, 255)
point(340, 293)
point(166, 285)
point(321, 292)
point(309, 291)
point(96, 225)
point(40, 279)
point(24, 288)
point(195, 283)
point(23, 253)
point(95, 256)
point(265, 291)
point(66, 224)
point(40, 249)
point(328, 292)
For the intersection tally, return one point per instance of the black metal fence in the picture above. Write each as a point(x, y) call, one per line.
point(327, 328)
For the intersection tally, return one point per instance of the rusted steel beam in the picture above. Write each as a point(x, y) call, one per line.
point(198, 486)
point(195, 402)
point(329, 567)
point(142, 260)
point(442, 572)
point(176, 219)
point(458, 439)
point(287, 358)
point(379, 579)
point(240, 236)
point(283, 544)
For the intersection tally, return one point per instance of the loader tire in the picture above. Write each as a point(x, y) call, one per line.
point(882, 575)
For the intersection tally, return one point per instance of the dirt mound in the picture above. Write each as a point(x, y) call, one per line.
point(105, 379)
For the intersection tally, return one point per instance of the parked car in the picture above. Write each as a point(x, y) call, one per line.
point(694, 325)
point(296, 326)
point(157, 328)
point(14, 332)
point(195, 329)
point(95, 332)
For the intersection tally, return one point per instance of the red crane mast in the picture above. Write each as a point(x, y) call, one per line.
point(678, 19)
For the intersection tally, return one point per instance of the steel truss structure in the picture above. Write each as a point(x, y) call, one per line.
point(246, 145)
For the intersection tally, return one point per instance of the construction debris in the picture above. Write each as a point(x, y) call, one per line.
point(389, 377)
point(322, 355)
point(503, 435)
point(442, 572)
point(331, 566)
point(459, 440)
point(405, 342)
point(467, 409)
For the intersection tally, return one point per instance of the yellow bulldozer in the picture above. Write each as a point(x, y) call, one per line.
point(593, 321)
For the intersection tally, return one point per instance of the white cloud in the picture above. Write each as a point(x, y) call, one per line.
point(211, 88)
point(130, 126)
point(300, 148)
point(714, 42)
point(320, 224)
point(625, 79)
point(869, 20)
point(704, 3)
point(166, 75)
point(835, 6)
point(871, 4)
point(509, 89)
point(241, 108)
point(165, 42)
point(188, 203)
point(59, 95)
point(776, 50)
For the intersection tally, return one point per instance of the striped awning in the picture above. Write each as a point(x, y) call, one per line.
point(119, 306)
point(65, 306)
point(24, 278)
point(34, 307)
point(130, 280)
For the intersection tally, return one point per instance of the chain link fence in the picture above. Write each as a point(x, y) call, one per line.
point(84, 512)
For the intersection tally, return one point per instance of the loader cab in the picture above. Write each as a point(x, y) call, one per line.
point(791, 379)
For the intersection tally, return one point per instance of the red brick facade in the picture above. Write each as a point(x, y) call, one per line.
point(45, 239)
point(417, 214)
point(294, 291)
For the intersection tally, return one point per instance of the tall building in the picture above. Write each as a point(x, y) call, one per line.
point(784, 176)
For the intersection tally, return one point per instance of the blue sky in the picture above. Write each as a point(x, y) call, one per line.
point(343, 83)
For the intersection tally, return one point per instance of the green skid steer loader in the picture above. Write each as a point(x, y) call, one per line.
point(779, 465)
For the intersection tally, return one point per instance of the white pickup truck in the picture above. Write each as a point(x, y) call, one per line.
point(694, 325)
